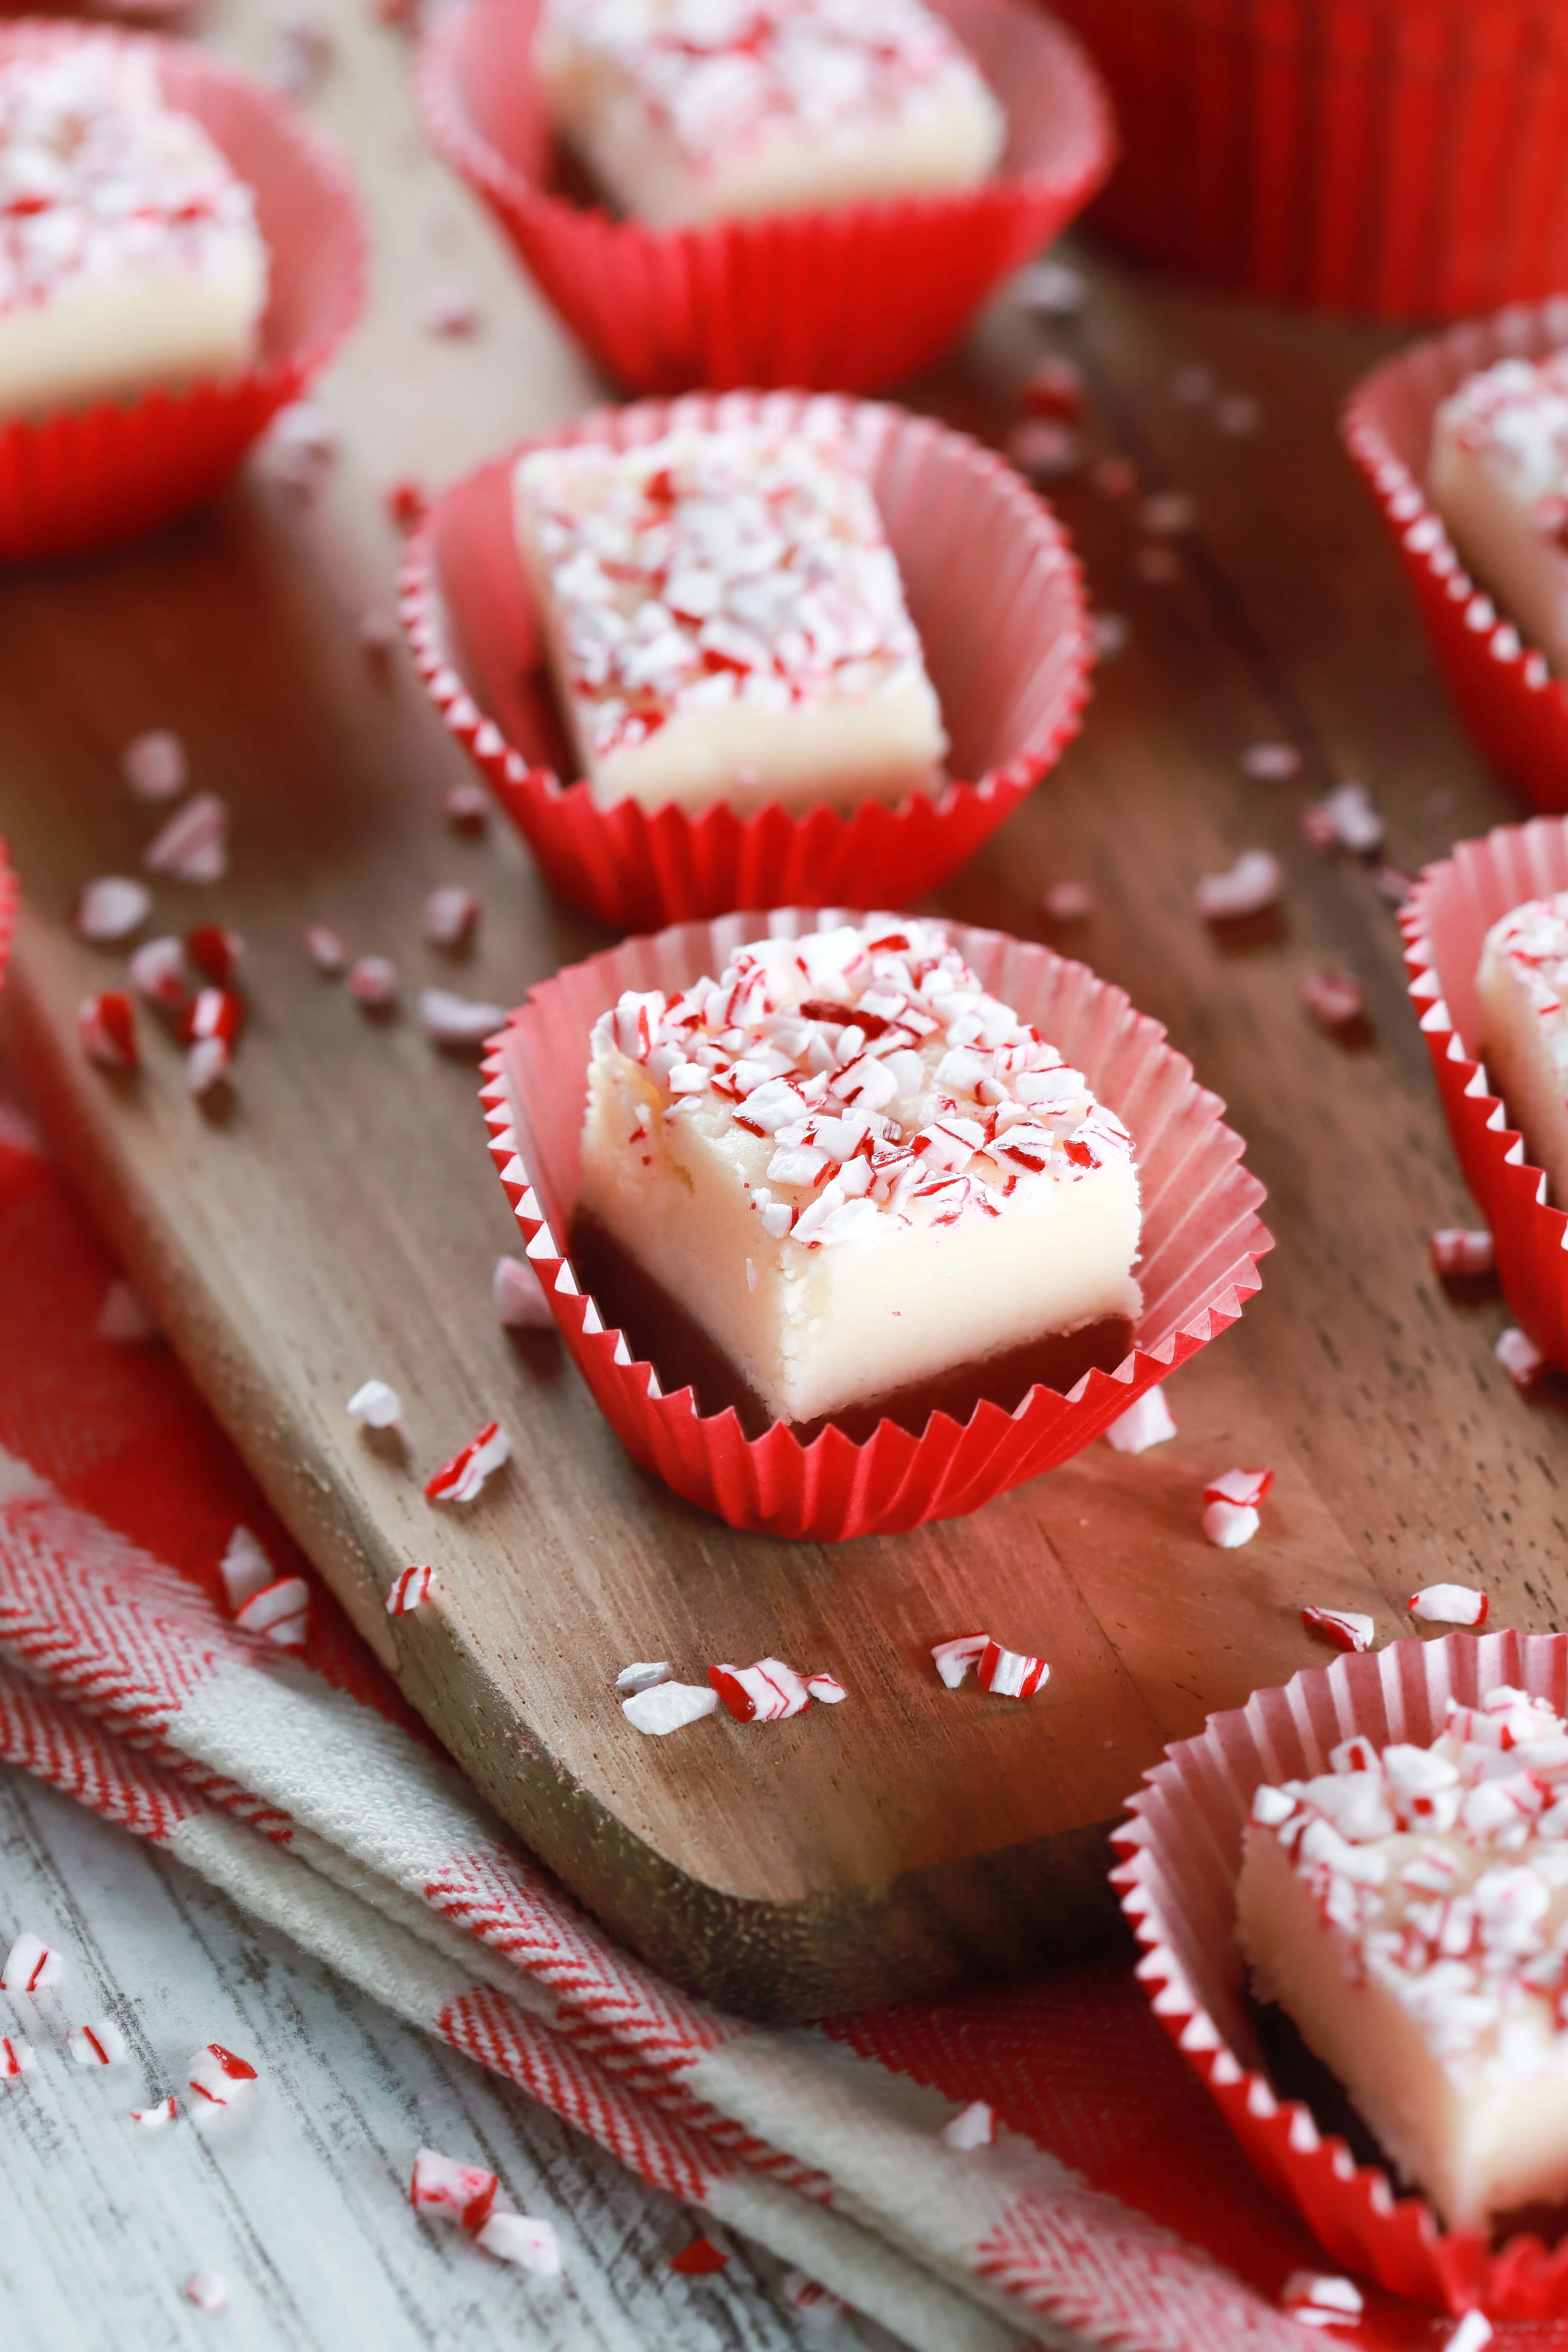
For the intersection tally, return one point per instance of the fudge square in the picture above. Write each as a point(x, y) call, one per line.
point(725, 621)
point(693, 110)
point(1499, 481)
point(853, 1169)
point(1409, 1912)
point(129, 252)
point(1524, 1028)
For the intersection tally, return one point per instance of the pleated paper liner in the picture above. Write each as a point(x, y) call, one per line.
point(102, 476)
point(1452, 907)
point(9, 895)
point(1516, 711)
point(993, 590)
point(846, 299)
point(1177, 1882)
point(1201, 1239)
point(1401, 159)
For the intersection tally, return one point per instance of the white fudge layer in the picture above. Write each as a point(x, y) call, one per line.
point(1523, 981)
point(688, 110)
point(1409, 1911)
point(854, 1169)
point(129, 252)
point(725, 621)
point(1500, 480)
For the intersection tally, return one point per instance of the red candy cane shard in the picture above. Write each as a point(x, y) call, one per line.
point(465, 808)
point(1321, 2302)
point(102, 2044)
point(1345, 1629)
point(459, 1480)
point(1456, 1252)
point(1449, 1604)
point(31, 1965)
point(450, 915)
point(411, 1592)
point(280, 1613)
point(1011, 1674)
point(518, 2238)
point(106, 1026)
point(217, 953)
point(215, 1014)
point(1245, 1488)
point(16, 2056)
point(953, 1659)
point(157, 972)
point(218, 2081)
point(156, 2119)
point(194, 845)
point(372, 982)
point(699, 2259)
point(973, 2127)
point(815, 2302)
point(465, 2192)
point(405, 503)
point(825, 1689)
point(769, 1692)
point(207, 2290)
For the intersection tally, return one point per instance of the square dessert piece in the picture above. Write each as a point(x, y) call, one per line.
point(852, 1177)
point(1499, 481)
point(129, 252)
point(688, 110)
point(1408, 1911)
point(1524, 1028)
point(725, 621)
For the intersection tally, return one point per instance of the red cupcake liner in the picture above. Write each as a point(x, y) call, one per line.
point(1177, 1884)
point(1401, 159)
point(993, 587)
point(845, 298)
point(10, 898)
point(99, 476)
point(1516, 711)
point(1202, 1241)
point(1449, 914)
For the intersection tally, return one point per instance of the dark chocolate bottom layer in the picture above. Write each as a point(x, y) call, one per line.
point(660, 1330)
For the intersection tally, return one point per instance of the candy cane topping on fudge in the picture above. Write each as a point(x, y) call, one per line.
point(725, 619)
point(1499, 481)
point(1409, 1911)
point(855, 1169)
point(1523, 989)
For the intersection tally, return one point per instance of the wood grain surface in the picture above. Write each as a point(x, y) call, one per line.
point(343, 1219)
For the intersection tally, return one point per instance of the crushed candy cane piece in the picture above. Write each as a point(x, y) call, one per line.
point(461, 1478)
point(218, 2081)
point(110, 908)
point(154, 765)
point(1320, 2300)
point(1230, 1516)
point(244, 1569)
point(411, 1592)
point(1251, 885)
point(449, 1020)
point(1169, 514)
point(377, 633)
point(1043, 449)
point(1237, 414)
point(519, 1297)
point(304, 427)
point(158, 2119)
point(325, 949)
point(1054, 388)
point(645, 1675)
point(450, 915)
point(769, 1692)
point(1345, 1629)
point(1456, 1251)
point(1473, 2333)
point(825, 1689)
point(1520, 1356)
point(106, 1024)
point(449, 310)
point(1069, 902)
point(208, 2290)
point(1010, 1674)
point(533, 2245)
point(1449, 1604)
point(1051, 288)
point(440, 2184)
point(124, 1318)
point(216, 952)
point(280, 1613)
point(372, 982)
point(407, 503)
point(669, 1706)
point(207, 1064)
point(953, 1659)
point(465, 808)
point(815, 2302)
point(1345, 819)
point(102, 2044)
point(1146, 1422)
point(1332, 999)
point(375, 1404)
point(16, 2056)
point(157, 969)
point(700, 2259)
point(215, 1012)
point(1108, 635)
point(1239, 1487)
point(973, 2127)
point(1270, 763)
point(194, 845)
point(31, 1965)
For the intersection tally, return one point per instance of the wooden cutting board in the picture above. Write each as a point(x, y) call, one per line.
point(343, 1219)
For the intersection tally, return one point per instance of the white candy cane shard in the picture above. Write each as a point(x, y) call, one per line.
point(1245, 1487)
point(973, 2127)
point(154, 765)
point(1144, 1424)
point(1458, 1251)
point(1044, 449)
point(449, 1020)
point(953, 1659)
point(1168, 514)
point(450, 310)
point(194, 845)
point(1449, 1604)
point(450, 915)
point(465, 2193)
point(816, 2304)
point(208, 2290)
point(1345, 819)
point(1010, 1674)
point(1332, 999)
point(1251, 885)
point(1228, 1526)
point(110, 908)
point(375, 1404)
point(280, 1613)
point(1521, 1359)
point(124, 1318)
point(325, 949)
point(669, 1706)
point(102, 2044)
point(219, 2081)
point(244, 1569)
point(1270, 763)
point(411, 1592)
point(1069, 902)
point(157, 970)
point(1318, 2300)
point(15, 2057)
point(377, 633)
point(372, 982)
point(31, 1965)
point(208, 1061)
point(1108, 635)
point(645, 1675)
point(520, 1301)
point(459, 1480)
point(1051, 289)
point(825, 1689)
point(1346, 1629)
point(158, 2119)
point(1472, 2334)
point(769, 1692)
point(519, 2239)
